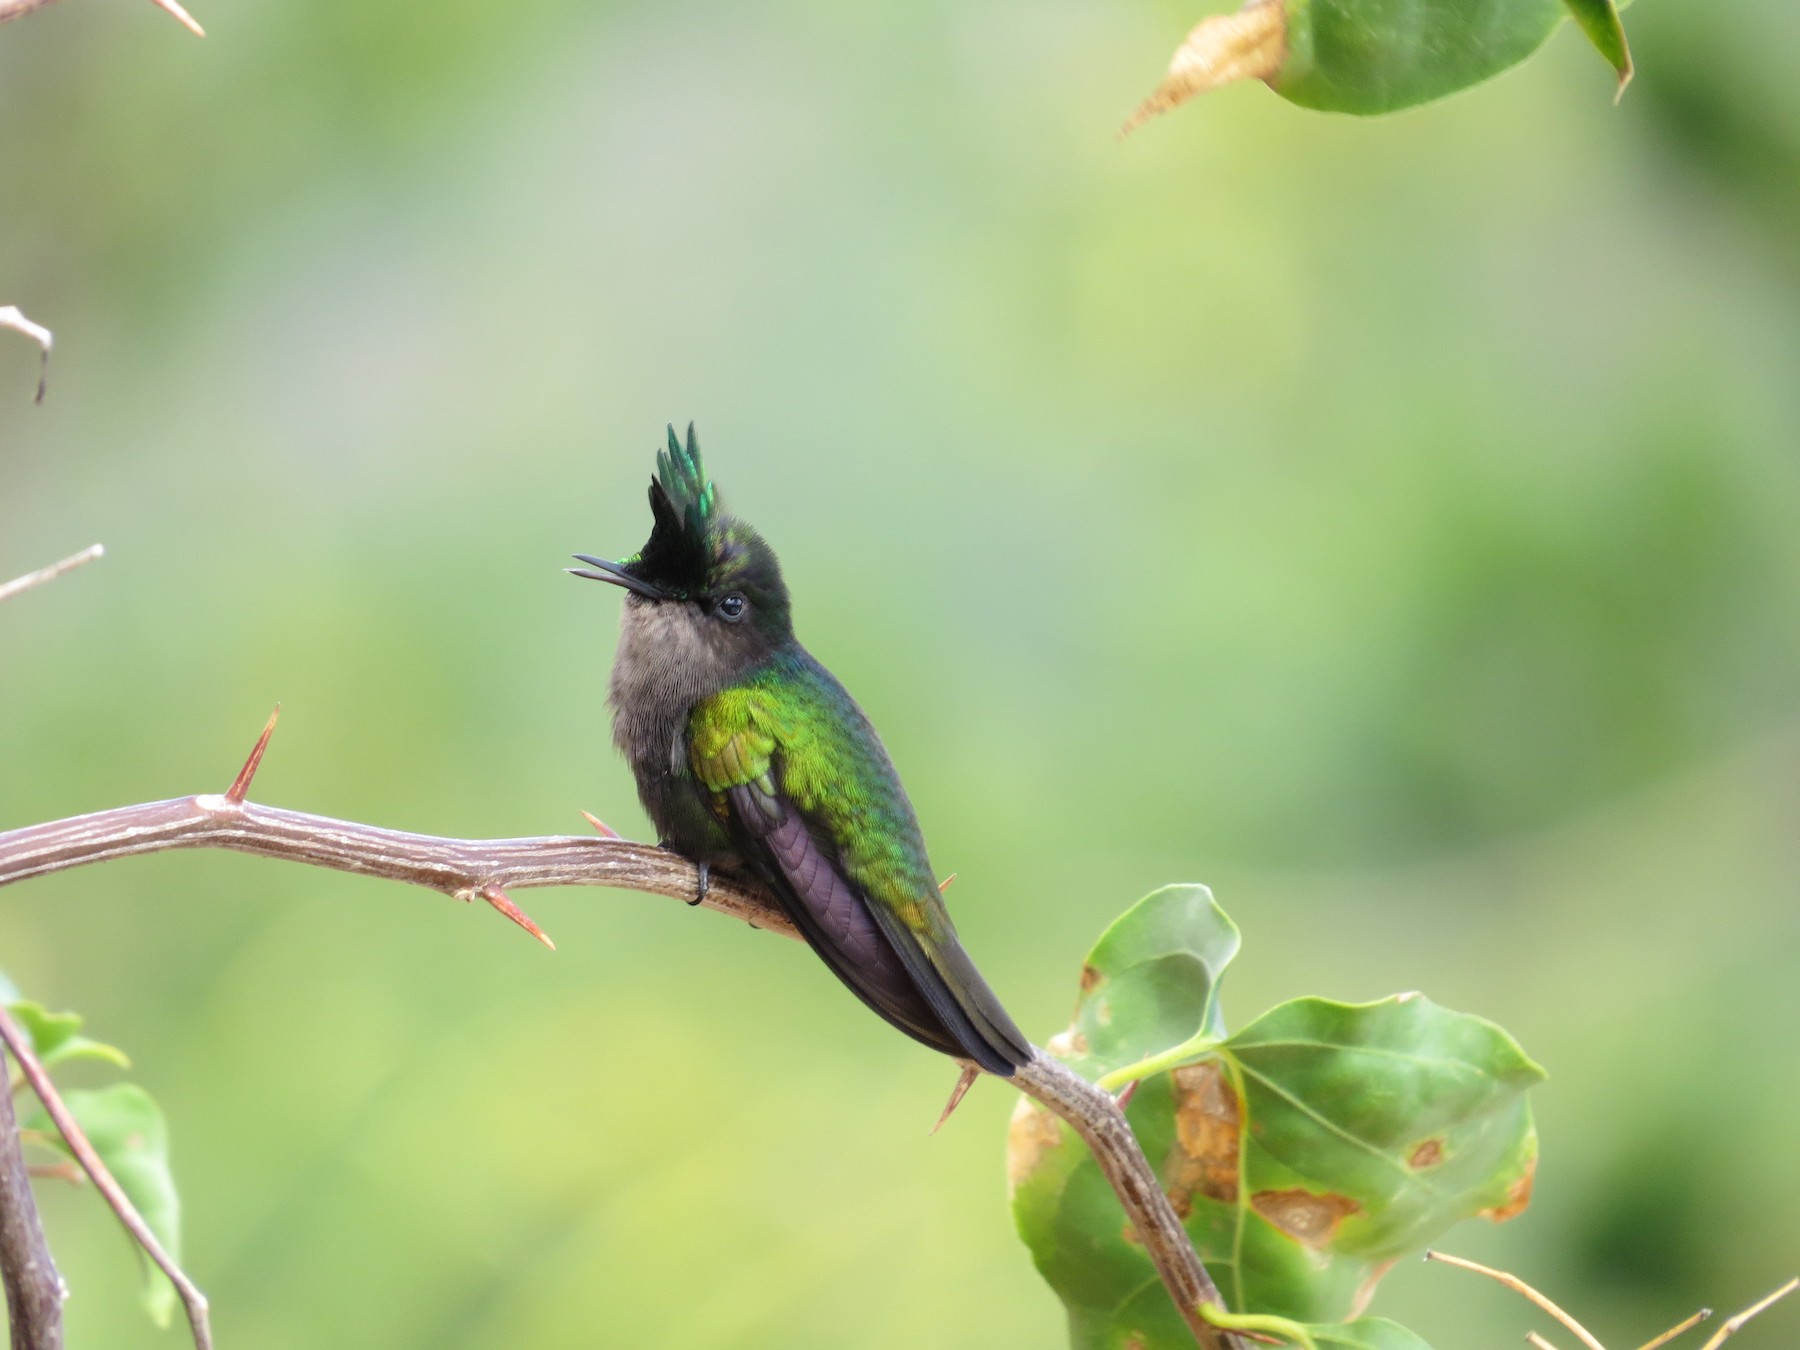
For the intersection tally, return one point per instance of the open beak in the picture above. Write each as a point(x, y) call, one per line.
point(617, 575)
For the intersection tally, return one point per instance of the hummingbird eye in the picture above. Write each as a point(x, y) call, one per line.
point(732, 607)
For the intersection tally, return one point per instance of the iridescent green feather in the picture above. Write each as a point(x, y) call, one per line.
point(793, 727)
point(683, 477)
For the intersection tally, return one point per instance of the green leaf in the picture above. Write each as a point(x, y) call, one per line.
point(54, 1039)
point(127, 1130)
point(1378, 1125)
point(1152, 980)
point(1304, 1154)
point(1599, 19)
point(1373, 56)
point(1376, 56)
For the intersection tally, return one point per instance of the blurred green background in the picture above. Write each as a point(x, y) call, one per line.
point(1393, 524)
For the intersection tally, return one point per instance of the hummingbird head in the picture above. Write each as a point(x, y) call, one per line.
point(706, 574)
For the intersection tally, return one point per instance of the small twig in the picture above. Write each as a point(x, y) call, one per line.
point(52, 572)
point(1518, 1286)
point(1730, 1327)
point(191, 1297)
point(59, 1171)
point(34, 1289)
point(10, 317)
point(18, 9)
point(1735, 1322)
point(1657, 1342)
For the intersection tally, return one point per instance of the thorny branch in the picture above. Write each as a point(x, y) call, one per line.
point(34, 1289)
point(465, 869)
point(114, 1194)
point(18, 9)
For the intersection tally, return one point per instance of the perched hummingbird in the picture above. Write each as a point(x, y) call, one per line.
point(750, 755)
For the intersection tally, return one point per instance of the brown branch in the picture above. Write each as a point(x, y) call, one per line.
point(114, 1194)
point(52, 572)
point(460, 868)
point(1095, 1116)
point(18, 9)
point(34, 1290)
point(470, 868)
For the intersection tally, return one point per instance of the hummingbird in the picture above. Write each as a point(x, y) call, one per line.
point(751, 757)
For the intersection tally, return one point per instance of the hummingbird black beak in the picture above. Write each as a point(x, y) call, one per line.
point(617, 575)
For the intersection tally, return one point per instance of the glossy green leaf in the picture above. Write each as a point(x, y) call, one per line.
point(127, 1130)
point(1376, 56)
point(54, 1036)
point(1305, 1153)
point(1599, 19)
point(1152, 980)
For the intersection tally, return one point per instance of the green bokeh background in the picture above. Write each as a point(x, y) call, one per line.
point(1393, 524)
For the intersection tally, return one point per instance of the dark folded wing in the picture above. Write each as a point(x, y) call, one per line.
point(936, 996)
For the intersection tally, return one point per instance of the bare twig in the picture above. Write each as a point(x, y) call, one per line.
point(191, 1297)
point(34, 1290)
point(466, 868)
point(1518, 1286)
point(18, 9)
point(10, 317)
point(1733, 1324)
point(1686, 1325)
point(1730, 1327)
point(52, 572)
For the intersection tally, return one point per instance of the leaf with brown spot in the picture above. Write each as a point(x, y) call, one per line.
point(1207, 1121)
point(1311, 1220)
point(1426, 1153)
point(1518, 1195)
point(1374, 56)
point(1031, 1131)
point(1304, 1154)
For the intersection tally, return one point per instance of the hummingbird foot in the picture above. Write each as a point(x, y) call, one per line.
point(704, 868)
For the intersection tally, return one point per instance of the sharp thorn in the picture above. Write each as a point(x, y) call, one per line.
point(501, 901)
point(180, 15)
point(1126, 1093)
point(944, 885)
point(606, 831)
point(966, 1081)
point(240, 787)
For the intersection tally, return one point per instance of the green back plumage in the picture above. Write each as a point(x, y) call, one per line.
point(832, 766)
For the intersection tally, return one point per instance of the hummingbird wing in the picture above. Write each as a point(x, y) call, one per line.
point(803, 786)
